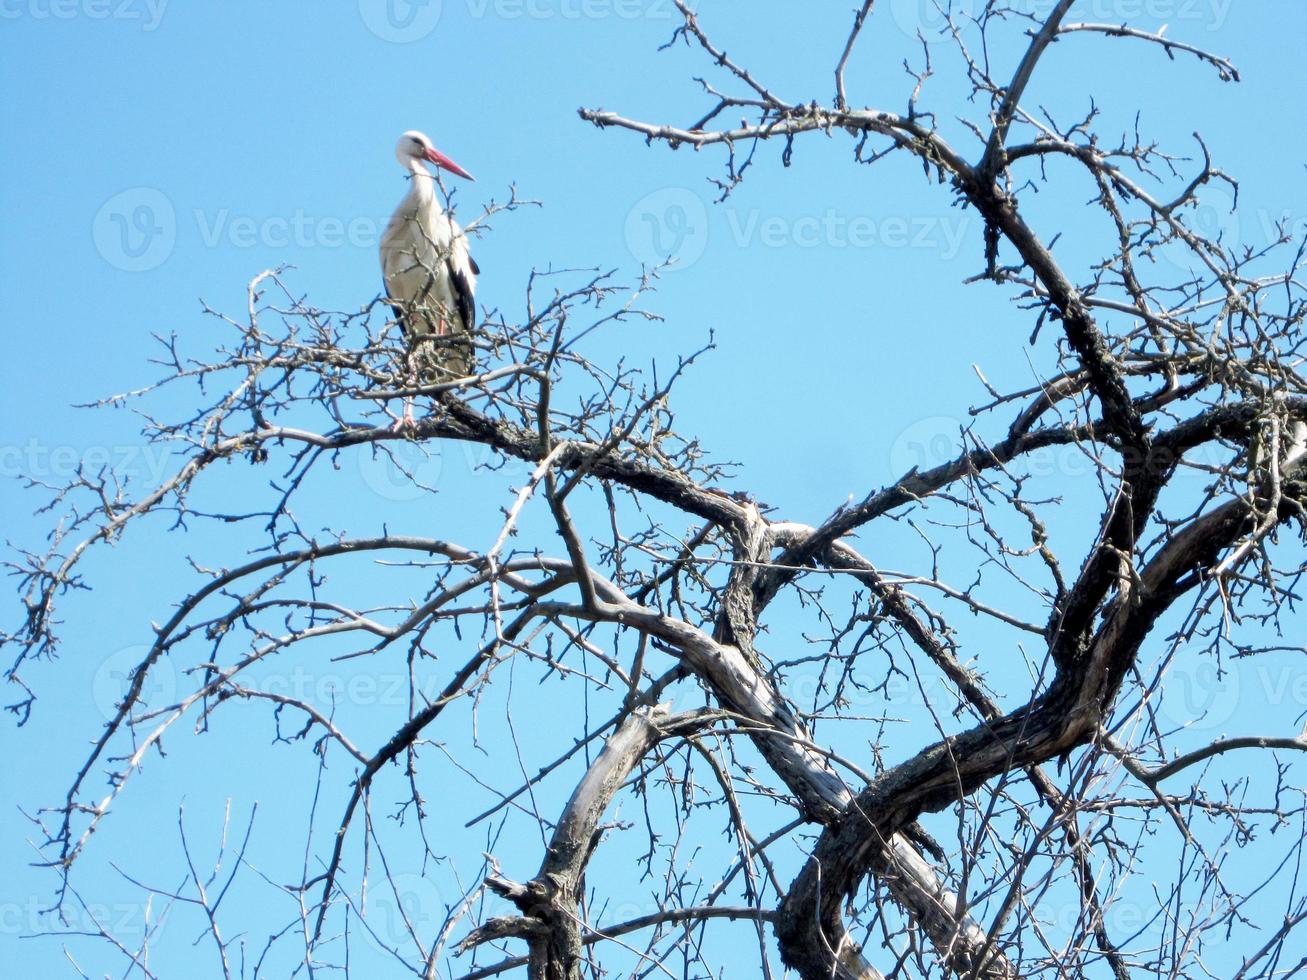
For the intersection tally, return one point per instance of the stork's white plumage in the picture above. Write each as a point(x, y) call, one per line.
point(430, 277)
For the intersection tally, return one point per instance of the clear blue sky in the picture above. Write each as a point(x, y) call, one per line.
point(159, 153)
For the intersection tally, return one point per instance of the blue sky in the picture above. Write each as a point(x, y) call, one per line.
point(161, 154)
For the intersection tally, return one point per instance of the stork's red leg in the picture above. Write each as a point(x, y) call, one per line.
point(405, 421)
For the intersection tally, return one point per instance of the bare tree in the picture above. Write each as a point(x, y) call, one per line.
point(673, 611)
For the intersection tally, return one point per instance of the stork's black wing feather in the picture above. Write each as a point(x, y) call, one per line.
point(464, 298)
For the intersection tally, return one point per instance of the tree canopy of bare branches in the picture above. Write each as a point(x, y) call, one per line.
point(637, 594)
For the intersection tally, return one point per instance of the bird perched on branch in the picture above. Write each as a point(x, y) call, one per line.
point(430, 277)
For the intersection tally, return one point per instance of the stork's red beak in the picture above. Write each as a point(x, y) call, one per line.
point(442, 161)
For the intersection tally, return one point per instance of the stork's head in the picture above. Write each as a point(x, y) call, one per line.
point(413, 148)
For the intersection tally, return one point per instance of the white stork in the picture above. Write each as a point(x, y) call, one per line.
point(430, 278)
